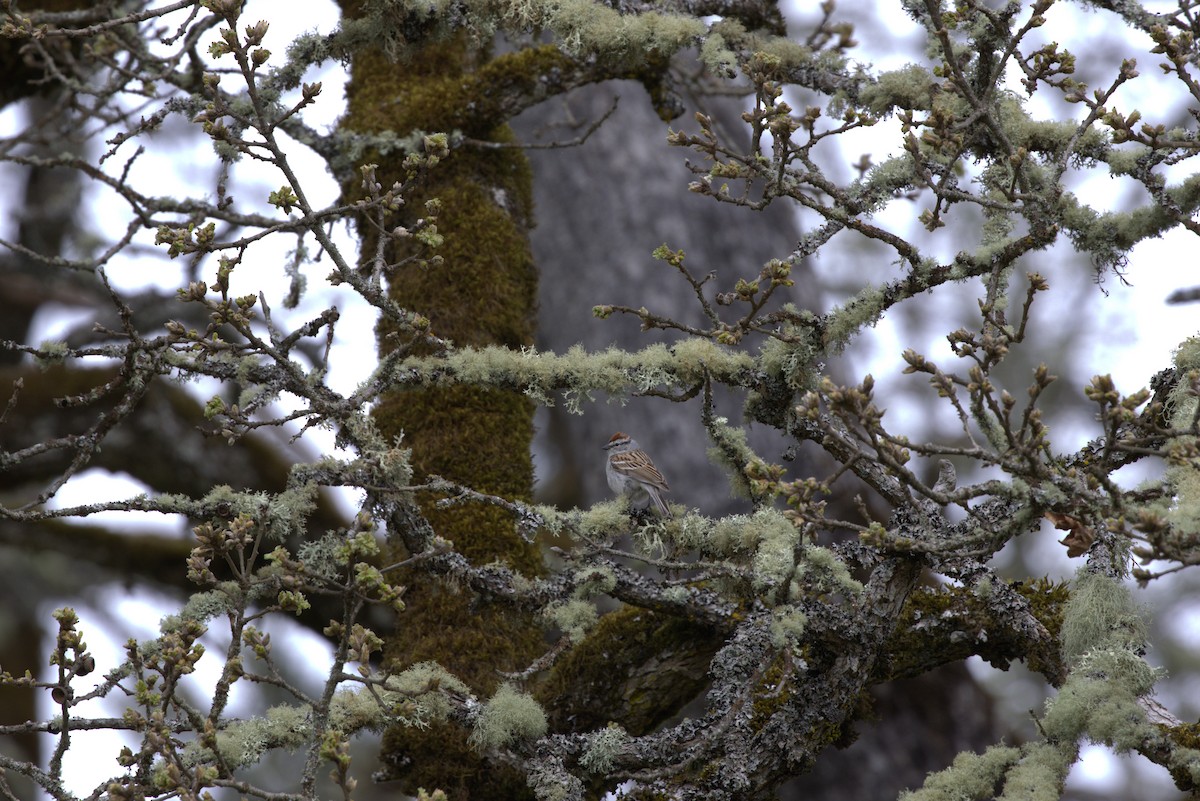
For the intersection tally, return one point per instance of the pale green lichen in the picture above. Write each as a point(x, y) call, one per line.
point(354, 710)
point(1181, 402)
point(883, 182)
point(204, 606)
point(776, 552)
point(1109, 237)
point(1181, 504)
point(602, 749)
point(845, 322)
point(575, 618)
point(1126, 159)
point(1187, 354)
point(677, 595)
point(729, 536)
point(910, 87)
point(732, 451)
point(766, 537)
point(693, 531)
point(1187, 762)
point(1184, 511)
point(1102, 636)
point(423, 675)
point(1039, 775)
point(787, 627)
point(1099, 702)
point(598, 522)
point(555, 521)
point(577, 373)
point(324, 556)
point(775, 555)
point(581, 27)
point(822, 570)
point(509, 716)
point(717, 56)
point(593, 581)
point(652, 538)
point(279, 516)
point(587, 28)
point(793, 362)
point(791, 55)
point(51, 352)
point(244, 742)
point(970, 776)
point(415, 697)
point(1100, 615)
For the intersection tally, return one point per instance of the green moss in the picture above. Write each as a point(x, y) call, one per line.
point(772, 693)
point(484, 293)
point(611, 665)
point(1047, 600)
point(911, 651)
point(1185, 755)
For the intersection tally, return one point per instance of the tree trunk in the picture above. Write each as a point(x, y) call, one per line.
point(483, 293)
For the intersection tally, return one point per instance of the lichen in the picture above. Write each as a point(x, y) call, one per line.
point(574, 617)
point(509, 716)
point(910, 87)
point(602, 749)
point(969, 776)
point(1101, 614)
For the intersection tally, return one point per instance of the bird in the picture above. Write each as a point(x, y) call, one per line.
point(630, 471)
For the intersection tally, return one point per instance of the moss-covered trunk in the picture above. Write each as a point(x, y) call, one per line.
point(483, 293)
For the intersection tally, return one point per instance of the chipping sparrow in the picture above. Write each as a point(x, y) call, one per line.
point(630, 471)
